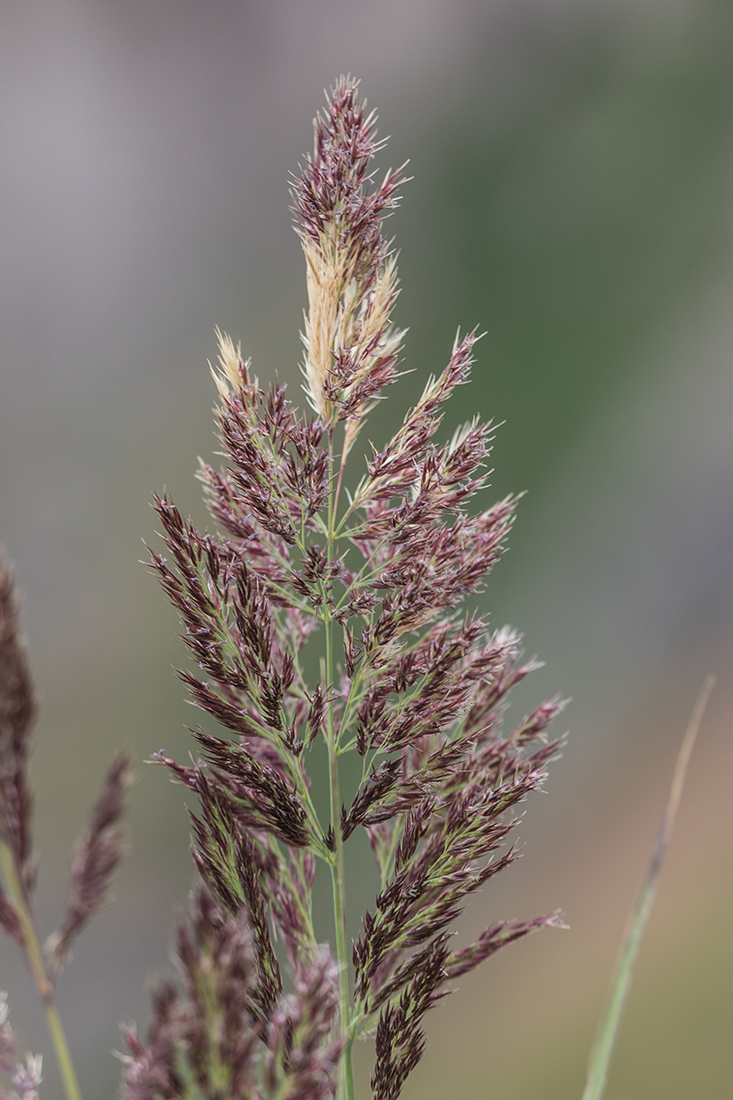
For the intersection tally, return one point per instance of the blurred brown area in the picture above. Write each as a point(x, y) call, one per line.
point(572, 168)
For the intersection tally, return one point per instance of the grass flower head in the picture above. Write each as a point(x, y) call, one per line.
point(408, 681)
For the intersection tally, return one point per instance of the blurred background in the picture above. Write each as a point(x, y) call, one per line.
point(572, 166)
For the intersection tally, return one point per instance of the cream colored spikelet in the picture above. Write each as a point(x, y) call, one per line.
point(231, 370)
point(336, 319)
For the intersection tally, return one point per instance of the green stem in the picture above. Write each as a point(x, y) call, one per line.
point(34, 957)
point(346, 1084)
point(605, 1041)
point(339, 913)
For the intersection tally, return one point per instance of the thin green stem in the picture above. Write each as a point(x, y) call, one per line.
point(338, 485)
point(37, 966)
point(605, 1041)
point(63, 1054)
point(346, 1084)
point(339, 913)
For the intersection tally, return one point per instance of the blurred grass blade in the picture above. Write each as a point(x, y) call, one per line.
point(608, 1029)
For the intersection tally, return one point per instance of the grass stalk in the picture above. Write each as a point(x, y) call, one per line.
point(606, 1036)
point(338, 881)
point(37, 966)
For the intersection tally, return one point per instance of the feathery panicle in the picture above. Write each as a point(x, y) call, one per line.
point(415, 686)
point(96, 857)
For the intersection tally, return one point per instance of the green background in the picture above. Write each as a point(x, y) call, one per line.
point(572, 168)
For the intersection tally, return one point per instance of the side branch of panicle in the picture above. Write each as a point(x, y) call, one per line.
point(98, 853)
point(17, 715)
point(211, 1033)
